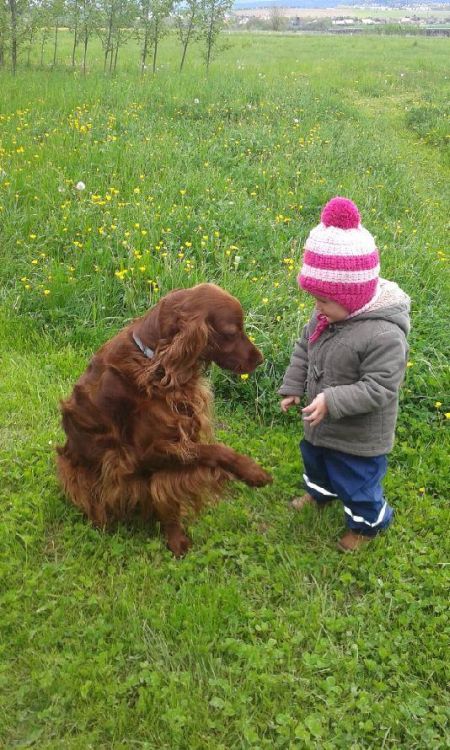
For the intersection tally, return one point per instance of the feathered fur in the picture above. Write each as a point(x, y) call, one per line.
point(139, 431)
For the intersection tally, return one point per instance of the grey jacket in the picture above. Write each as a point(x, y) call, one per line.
point(359, 364)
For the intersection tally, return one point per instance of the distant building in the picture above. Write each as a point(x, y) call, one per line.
point(343, 21)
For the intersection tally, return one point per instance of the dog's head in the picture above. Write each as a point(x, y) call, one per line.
point(203, 324)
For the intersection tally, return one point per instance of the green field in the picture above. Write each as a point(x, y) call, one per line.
point(263, 636)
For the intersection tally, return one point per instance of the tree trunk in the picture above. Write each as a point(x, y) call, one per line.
point(75, 37)
point(42, 49)
point(86, 37)
point(187, 40)
point(13, 11)
point(108, 41)
point(55, 48)
point(115, 56)
point(155, 48)
point(209, 41)
point(145, 48)
point(29, 48)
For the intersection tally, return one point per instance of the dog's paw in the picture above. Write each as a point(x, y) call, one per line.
point(179, 544)
point(258, 477)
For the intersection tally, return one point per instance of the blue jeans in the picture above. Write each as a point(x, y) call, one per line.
point(356, 480)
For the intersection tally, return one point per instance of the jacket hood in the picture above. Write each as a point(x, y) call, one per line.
point(390, 303)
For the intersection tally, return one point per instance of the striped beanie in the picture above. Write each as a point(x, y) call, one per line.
point(341, 260)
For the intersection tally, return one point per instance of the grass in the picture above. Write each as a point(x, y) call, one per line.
point(263, 636)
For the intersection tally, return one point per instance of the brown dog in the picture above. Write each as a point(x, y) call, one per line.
point(138, 421)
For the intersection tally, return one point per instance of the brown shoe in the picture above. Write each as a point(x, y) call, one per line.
point(300, 502)
point(351, 541)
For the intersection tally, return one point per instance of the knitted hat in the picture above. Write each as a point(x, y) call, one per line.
point(341, 260)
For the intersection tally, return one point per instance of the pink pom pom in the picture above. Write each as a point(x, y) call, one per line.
point(340, 212)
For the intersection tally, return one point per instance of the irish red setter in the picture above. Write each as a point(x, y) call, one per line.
point(138, 425)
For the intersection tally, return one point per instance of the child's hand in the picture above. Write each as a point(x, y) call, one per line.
point(316, 411)
point(289, 401)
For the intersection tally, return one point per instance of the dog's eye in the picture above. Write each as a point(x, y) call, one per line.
point(229, 334)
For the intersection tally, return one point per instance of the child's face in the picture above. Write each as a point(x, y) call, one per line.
point(333, 311)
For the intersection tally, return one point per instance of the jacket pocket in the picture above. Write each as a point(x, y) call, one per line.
point(357, 430)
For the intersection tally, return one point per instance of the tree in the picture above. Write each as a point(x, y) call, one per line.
point(74, 19)
point(57, 10)
point(187, 21)
point(4, 30)
point(15, 25)
point(118, 18)
point(31, 28)
point(88, 16)
point(43, 23)
point(153, 15)
point(277, 20)
point(212, 23)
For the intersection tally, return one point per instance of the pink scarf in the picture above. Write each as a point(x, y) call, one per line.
point(322, 324)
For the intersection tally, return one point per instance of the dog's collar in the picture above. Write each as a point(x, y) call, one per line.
point(146, 351)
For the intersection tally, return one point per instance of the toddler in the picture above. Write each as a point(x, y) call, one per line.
point(349, 363)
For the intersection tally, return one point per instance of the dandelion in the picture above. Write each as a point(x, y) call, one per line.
point(409, 364)
point(244, 376)
point(447, 415)
point(32, 236)
point(265, 300)
point(80, 186)
point(421, 490)
point(46, 292)
point(438, 404)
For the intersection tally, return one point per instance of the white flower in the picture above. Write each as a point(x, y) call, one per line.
point(80, 185)
point(196, 101)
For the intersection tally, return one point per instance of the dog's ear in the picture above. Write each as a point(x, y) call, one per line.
point(182, 354)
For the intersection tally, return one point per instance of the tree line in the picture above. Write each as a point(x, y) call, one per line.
point(29, 24)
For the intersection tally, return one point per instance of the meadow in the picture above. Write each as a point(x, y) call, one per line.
point(264, 636)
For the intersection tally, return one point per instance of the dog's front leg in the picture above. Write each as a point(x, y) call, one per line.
point(215, 455)
point(241, 466)
point(177, 541)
